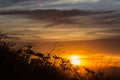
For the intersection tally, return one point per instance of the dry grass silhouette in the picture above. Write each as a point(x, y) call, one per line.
point(25, 64)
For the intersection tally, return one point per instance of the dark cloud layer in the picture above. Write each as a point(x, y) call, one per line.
point(4, 36)
point(59, 4)
point(57, 17)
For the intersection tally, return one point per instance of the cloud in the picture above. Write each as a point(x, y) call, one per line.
point(58, 4)
point(78, 1)
point(3, 35)
point(58, 25)
point(8, 36)
point(86, 27)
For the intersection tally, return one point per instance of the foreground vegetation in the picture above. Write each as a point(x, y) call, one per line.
point(22, 63)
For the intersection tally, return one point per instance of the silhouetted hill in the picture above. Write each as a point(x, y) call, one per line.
point(18, 64)
point(14, 67)
point(11, 66)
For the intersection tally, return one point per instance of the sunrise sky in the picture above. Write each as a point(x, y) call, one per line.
point(84, 27)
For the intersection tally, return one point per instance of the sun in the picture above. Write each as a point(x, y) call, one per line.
point(75, 60)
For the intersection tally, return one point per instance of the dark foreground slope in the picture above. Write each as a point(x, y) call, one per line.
point(13, 67)
point(25, 64)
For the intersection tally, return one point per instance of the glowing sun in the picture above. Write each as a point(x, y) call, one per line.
point(75, 60)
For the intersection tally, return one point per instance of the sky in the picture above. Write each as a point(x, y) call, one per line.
point(59, 4)
point(92, 28)
point(80, 31)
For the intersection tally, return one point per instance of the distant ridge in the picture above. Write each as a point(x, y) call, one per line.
point(53, 11)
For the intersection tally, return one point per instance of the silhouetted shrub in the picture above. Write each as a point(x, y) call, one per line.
point(25, 64)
